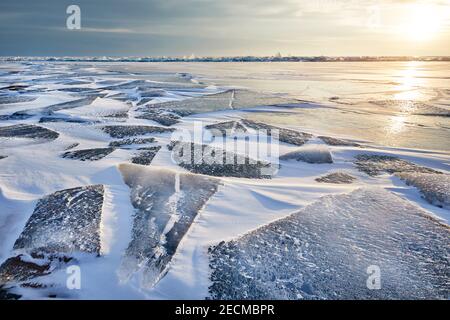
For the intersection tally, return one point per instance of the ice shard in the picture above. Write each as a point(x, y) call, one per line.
point(326, 251)
point(166, 203)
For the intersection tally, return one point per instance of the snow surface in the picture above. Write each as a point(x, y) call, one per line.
point(47, 109)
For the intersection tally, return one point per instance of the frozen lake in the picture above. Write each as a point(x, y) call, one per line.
point(95, 172)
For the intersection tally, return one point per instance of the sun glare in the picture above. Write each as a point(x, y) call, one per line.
point(423, 22)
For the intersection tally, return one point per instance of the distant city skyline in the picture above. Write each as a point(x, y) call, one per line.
point(227, 28)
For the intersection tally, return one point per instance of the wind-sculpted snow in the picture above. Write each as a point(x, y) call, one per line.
point(145, 156)
point(27, 131)
point(65, 221)
point(88, 154)
point(122, 131)
point(310, 154)
point(212, 161)
point(435, 188)
point(129, 142)
point(166, 204)
point(337, 177)
point(285, 135)
point(374, 165)
point(325, 251)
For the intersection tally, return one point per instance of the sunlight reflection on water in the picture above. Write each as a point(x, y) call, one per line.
point(410, 83)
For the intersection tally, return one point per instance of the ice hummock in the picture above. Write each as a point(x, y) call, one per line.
point(311, 153)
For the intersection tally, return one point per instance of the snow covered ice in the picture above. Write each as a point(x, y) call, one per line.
point(89, 176)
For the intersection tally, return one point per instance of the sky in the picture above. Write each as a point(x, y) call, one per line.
point(226, 27)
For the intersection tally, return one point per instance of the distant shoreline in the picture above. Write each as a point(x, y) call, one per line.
point(229, 59)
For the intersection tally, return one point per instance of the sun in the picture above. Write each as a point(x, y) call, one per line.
point(423, 22)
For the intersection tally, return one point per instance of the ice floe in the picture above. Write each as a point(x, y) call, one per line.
point(122, 131)
point(326, 250)
point(88, 154)
point(213, 161)
point(65, 221)
point(166, 204)
point(376, 164)
point(145, 156)
point(130, 142)
point(434, 187)
point(284, 135)
point(337, 177)
point(28, 131)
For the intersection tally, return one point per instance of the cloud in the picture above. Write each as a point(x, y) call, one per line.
point(209, 26)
